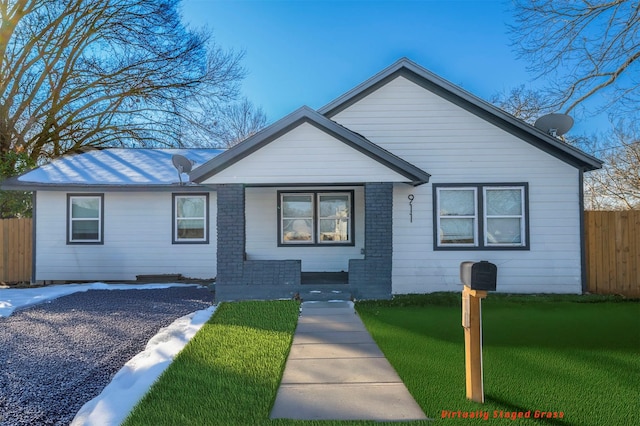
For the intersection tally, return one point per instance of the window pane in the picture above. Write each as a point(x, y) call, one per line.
point(456, 231)
point(334, 206)
point(334, 229)
point(85, 207)
point(190, 206)
point(296, 230)
point(504, 231)
point(504, 202)
point(191, 228)
point(85, 230)
point(457, 202)
point(297, 206)
point(334, 217)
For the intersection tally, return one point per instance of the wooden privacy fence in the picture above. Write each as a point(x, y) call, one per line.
point(15, 250)
point(613, 252)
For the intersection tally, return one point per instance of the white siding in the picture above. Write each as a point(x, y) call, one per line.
point(306, 155)
point(137, 241)
point(262, 233)
point(455, 146)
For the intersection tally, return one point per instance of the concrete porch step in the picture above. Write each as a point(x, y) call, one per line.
point(323, 293)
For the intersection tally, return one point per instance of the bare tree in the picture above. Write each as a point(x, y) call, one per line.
point(617, 185)
point(77, 73)
point(235, 122)
point(522, 102)
point(223, 125)
point(585, 47)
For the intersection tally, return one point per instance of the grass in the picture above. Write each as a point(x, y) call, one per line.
point(228, 374)
point(575, 355)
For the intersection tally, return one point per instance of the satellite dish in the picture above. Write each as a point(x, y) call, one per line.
point(554, 124)
point(182, 164)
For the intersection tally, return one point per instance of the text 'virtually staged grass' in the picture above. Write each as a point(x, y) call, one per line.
point(559, 360)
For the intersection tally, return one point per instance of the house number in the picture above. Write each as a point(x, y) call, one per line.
point(410, 197)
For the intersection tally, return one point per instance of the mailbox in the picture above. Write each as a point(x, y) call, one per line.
point(479, 275)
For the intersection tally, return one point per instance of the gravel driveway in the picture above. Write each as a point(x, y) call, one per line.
point(56, 356)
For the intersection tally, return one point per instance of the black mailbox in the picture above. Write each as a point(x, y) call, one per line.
point(479, 275)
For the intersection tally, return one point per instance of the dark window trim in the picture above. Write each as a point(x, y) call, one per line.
point(68, 227)
point(480, 209)
point(315, 193)
point(174, 239)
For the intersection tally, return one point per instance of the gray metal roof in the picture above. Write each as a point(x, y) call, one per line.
point(414, 175)
point(112, 168)
point(430, 81)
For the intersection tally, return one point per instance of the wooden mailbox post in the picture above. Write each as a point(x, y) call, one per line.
point(477, 278)
point(472, 323)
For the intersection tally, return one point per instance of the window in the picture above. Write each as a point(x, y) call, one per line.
point(315, 218)
point(85, 214)
point(190, 218)
point(458, 216)
point(481, 216)
point(504, 216)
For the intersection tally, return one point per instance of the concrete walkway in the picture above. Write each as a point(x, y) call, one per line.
point(335, 371)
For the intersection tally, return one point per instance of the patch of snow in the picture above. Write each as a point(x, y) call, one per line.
point(117, 166)
point(132, 382)
point(14, 298)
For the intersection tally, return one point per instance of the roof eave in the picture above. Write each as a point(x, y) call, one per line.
point(13, 184)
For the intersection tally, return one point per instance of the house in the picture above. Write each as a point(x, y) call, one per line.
point(388, 188)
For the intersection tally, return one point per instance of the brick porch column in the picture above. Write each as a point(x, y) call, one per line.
point(231, 234)
point(371, 276)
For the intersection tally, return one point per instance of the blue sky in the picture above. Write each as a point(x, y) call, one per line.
point(302, 52)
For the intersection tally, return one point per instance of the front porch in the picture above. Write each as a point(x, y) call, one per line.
point(243, 275)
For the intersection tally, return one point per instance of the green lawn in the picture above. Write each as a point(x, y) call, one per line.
point(579, 361)
point(548, 354)
point(228, 374)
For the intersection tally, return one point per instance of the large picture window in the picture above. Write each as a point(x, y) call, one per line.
point(190, 218)
point(481, 216)
point(315, 218)
point(85, 218)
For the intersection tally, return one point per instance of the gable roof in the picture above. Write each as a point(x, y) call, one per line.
point(111, 168)
point(413, 174)
point(430, 81)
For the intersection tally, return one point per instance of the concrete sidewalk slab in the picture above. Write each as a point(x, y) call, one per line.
point(332, 337)
point(335, 350)
point(335, 371)
point(320, 311)
point(320, 318)
point(341, 370)
point(324, 305)
point(370, 401)
point(331, 325)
